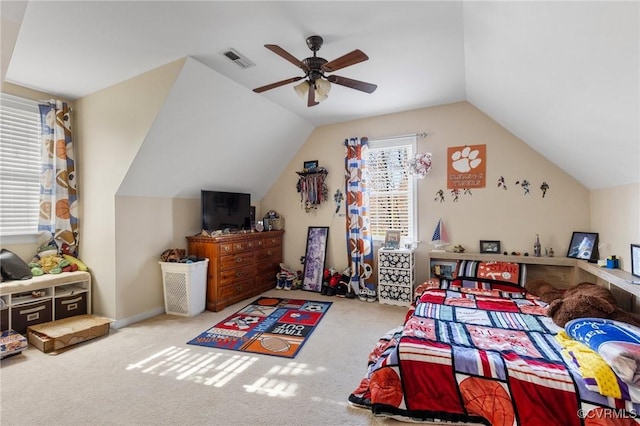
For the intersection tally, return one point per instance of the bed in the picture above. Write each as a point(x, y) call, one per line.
point(479, 349)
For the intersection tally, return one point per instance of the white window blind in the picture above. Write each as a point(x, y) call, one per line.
point(19, 166)
point(391, 189)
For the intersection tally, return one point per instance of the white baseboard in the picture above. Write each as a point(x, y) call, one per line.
point(137, 318)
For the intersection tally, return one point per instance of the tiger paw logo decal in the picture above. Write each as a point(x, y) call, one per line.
point(465, 160)
point(466, 167)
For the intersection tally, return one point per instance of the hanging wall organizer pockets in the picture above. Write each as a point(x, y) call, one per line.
point(313, 191)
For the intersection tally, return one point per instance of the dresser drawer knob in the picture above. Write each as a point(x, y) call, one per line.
point(238, 260)
point(239, 274)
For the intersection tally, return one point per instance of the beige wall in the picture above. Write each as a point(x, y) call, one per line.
point(111, 126)
point(490, 213)
point(146, 227)
point(615, 215)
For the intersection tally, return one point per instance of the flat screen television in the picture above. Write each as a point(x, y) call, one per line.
point(225, 210)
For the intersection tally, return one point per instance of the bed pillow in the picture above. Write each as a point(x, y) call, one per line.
point(488, 272)
point(617, 342)
point(481, 287)
point(12, 267)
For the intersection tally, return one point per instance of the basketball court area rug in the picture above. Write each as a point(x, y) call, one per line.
point(268, 325)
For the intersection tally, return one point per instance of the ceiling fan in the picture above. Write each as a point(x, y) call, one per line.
point(316, 84)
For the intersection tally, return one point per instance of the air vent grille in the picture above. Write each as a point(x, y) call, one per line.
point(238, 59)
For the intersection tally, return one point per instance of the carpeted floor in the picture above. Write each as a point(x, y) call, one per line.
point(146, 374)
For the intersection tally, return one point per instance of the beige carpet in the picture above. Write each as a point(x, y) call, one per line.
point(146, 374)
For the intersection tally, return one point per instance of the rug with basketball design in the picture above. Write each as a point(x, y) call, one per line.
point(268, 325)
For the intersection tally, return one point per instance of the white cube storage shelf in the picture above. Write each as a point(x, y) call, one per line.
point(185, 287)
point(44, 298)
point(396, 276)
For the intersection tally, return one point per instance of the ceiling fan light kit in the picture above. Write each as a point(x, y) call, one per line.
point(315, 69)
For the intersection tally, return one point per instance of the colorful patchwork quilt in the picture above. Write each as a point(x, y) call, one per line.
point(477, 354)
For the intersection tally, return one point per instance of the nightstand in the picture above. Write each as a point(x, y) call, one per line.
point(396, 276)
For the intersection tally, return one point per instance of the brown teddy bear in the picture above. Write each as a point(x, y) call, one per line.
point(587, 300)
point(544, 290)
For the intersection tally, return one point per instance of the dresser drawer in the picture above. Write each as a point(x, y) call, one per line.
point(236, 260)
point(268, 253)
point(396, 276)
point(269, 266)
point(396, 260)
point(237, 247)
point(271, 242)
point(229, 276)
point(395, 295)
point(235, 290)
point(22, 316)
point(69, 306)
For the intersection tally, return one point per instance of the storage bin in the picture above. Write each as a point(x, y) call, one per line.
point(28, 314)
point(69, 306)
point(185, 287)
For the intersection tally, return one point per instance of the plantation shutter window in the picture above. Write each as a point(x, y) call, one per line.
point(19, 166)
point(391, 187)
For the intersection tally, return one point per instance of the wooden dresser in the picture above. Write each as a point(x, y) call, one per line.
point(240, 265)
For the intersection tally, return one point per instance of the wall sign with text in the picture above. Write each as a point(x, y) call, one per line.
point(467, 167)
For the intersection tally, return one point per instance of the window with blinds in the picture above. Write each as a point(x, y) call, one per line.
point(19, 166)
point(391, 189)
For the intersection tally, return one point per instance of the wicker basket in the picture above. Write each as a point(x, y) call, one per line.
point(277, 223)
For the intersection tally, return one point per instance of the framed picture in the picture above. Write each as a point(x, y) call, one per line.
point(315, 257)
point(489, 246)
point(635, 260)
point(584, 245)
point(392, 239)
point(310, 165)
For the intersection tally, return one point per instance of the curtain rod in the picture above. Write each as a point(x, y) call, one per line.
point(418, 135)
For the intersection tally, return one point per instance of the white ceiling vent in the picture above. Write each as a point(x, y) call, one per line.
point(238, 59)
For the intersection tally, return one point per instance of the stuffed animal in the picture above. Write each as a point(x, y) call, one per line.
point(544, 290)
point(590, 289)
point(587, 300)
point(52, 264)
point(173, 255)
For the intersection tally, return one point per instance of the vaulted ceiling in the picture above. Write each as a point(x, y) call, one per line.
point(562, 76)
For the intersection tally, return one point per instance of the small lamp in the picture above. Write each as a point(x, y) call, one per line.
point(322, 87)
point(302, 88)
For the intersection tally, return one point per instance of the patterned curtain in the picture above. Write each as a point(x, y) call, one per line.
point(359, 243)
point(58, 194)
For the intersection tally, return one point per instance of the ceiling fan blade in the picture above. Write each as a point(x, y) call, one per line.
point(277, 84)
point(349, 59)
point(311, 96)
point(286, 55)
point(353, 84)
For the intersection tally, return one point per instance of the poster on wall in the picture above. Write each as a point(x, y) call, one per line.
point(467, 167)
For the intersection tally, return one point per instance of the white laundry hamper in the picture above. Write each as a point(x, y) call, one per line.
point(185, 287)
